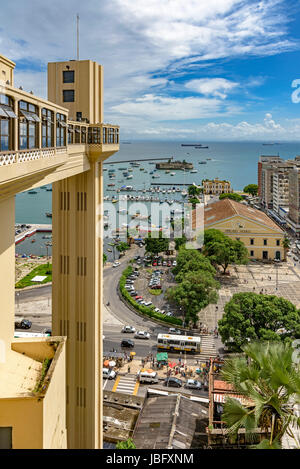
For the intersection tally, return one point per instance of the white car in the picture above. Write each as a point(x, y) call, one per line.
point(128, 329)
point(193, 384)
point(108, 374)
point(116, 264)
point(174, 263)
point(169, 314)
point(142, 335)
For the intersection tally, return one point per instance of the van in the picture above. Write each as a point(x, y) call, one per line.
point(149, 377)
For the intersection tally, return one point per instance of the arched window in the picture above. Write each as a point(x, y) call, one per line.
point(47, 128)
point(6, 123)
point(28, 125)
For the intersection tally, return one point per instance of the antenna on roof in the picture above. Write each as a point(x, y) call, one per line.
point(77, 36)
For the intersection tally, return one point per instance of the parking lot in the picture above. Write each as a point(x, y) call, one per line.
point(152, 281)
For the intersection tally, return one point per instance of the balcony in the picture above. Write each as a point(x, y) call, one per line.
point(40, 145)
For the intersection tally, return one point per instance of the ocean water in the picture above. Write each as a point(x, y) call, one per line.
point(234, 161)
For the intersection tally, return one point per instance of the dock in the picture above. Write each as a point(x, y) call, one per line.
point(32, 231)
point(140, 161)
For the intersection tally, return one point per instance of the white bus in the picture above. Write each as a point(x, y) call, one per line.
point(182, 343)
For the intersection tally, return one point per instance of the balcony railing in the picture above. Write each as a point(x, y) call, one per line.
point(23, 156)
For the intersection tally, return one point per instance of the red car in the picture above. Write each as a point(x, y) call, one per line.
point(154, 263)
point(138, 297)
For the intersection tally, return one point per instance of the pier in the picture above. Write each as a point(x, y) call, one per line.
point(32, 231)
point(141, 161)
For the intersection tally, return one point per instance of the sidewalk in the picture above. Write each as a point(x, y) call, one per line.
point(136, 365)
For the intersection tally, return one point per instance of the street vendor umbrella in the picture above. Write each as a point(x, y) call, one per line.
point(132, 354)
point(112, 363)
point(106, 363)
point(172, 364)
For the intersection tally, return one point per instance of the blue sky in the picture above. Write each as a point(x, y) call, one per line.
point(174, 69)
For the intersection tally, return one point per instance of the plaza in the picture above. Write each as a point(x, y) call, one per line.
point(272, 279)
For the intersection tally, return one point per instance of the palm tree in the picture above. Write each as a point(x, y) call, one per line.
point(286, 244)
point(270, 381)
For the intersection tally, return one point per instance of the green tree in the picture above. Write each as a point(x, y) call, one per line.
point(127, 444)
point(122, 246)
point(251, 316)
point(194, 190)
point(196, 290)
point(269, 378)
point(223, 250)
point(190, 260)
point(104, 258)
point(231, 195)
point(251, 189)
point(156, 245)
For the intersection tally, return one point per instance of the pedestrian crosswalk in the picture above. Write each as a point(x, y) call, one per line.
point(207, 347)
point(126, 384)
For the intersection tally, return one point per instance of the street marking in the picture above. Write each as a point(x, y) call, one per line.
point(137, 384)
point(116, 384)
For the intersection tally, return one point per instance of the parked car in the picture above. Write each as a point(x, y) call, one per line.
point(148, 376)
point(138, 297)
point(127, 343)
point(133, 293)
point(47, 331)
point(128, 329)
point(108, 374)
point(173, 382)
point(172, 330)
point(174, 263)
point(193, 384)
point(116, 264)
point(170, 314)
point(142, 335)
point(23, 324)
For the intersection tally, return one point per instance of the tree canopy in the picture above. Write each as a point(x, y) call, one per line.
point(251, 316)
point(156, 245)
point(122, 246)
point(222, 250)
point(268, 376)
point(231, 195)
point(195, 291)
point(194, 190)
point(191, 260)
point(251, 189)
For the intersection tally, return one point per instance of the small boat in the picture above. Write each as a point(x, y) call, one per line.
point(202, 162)
point(208, 159)
point(48, 214)
point(33, 240)
point(109, 250)
point(194, 171)
point(49, 190)
point(33, 192)
point(167, 172)
point(110, 185)
point(184, 193)
point(172, 174)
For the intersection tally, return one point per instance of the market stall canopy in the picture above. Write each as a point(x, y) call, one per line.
point(162, 356)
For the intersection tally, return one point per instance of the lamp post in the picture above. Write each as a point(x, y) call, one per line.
point(277, 267)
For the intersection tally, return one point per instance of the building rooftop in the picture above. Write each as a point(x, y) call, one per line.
point(168, 422)
point(227, 208)
point(21, 368)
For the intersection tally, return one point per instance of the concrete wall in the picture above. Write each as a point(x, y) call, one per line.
point(7, 271)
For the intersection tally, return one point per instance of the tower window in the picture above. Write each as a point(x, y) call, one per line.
point(68, 96)
point(68, 76)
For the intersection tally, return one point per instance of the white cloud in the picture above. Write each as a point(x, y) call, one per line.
point(212, 86)
point(143, 45)
point(160, 108)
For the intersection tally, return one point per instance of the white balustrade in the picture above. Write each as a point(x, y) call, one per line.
point(7, 158)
